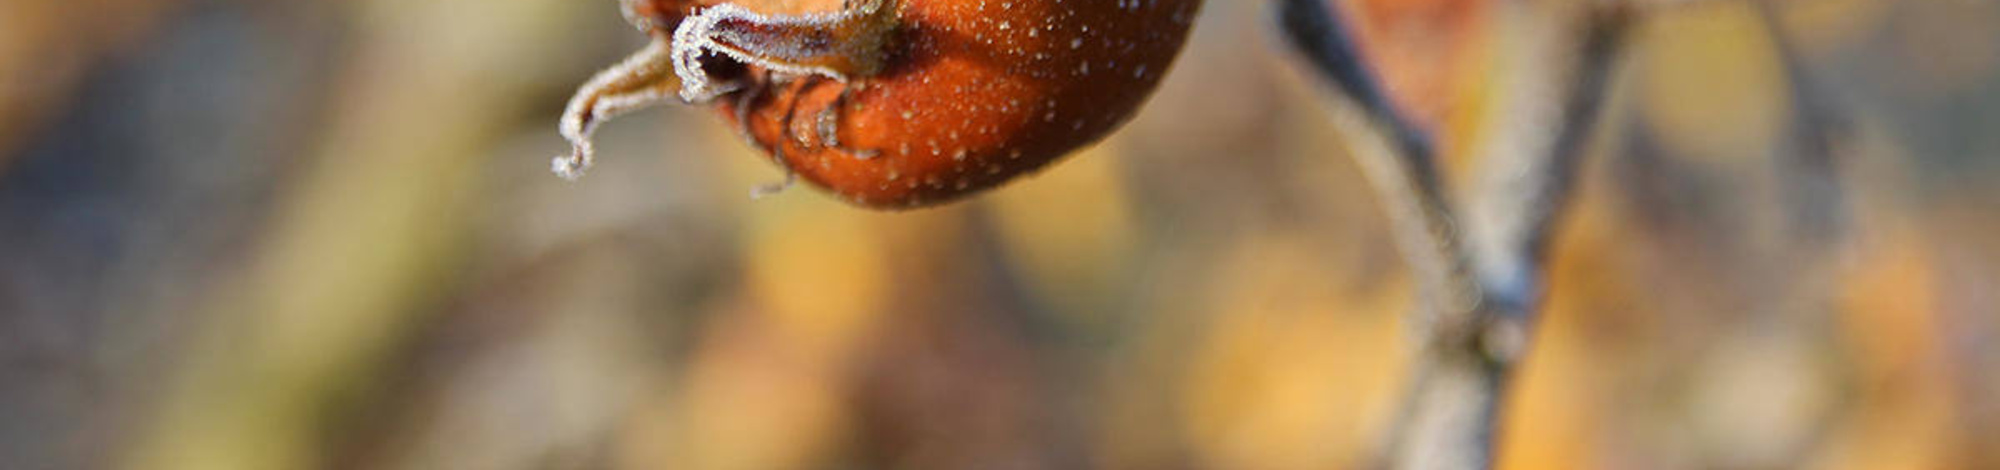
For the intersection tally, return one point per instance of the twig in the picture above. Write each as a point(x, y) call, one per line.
point(1396, 156)
point(1529, 170)
point(1474, 327)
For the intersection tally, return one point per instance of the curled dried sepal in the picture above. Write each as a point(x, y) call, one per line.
point(842, 46)
point(644, 79)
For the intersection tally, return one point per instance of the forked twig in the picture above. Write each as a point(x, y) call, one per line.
point(1480, 271)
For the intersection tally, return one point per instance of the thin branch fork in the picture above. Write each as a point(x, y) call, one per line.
point(1480, 272)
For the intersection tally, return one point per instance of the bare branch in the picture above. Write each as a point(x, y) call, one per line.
point(1529, 166)
point(1474, 327)
point(1396, 156)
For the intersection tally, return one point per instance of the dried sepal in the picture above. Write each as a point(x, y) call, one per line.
point(644, 79)
point(842, 46)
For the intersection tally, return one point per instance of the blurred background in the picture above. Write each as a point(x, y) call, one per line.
point(241, 234)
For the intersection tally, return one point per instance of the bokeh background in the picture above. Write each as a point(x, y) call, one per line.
point(240, 234)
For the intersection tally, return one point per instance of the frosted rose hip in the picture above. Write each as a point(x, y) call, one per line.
point(906, 103)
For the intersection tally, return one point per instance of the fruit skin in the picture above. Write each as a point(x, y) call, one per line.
point(972, 94)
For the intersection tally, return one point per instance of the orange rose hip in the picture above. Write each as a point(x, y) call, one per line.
point(897, 103)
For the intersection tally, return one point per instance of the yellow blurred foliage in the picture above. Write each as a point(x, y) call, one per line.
point(1295, 373)
point(1212, 288)
point(1710, 85)
point(1069, 232)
